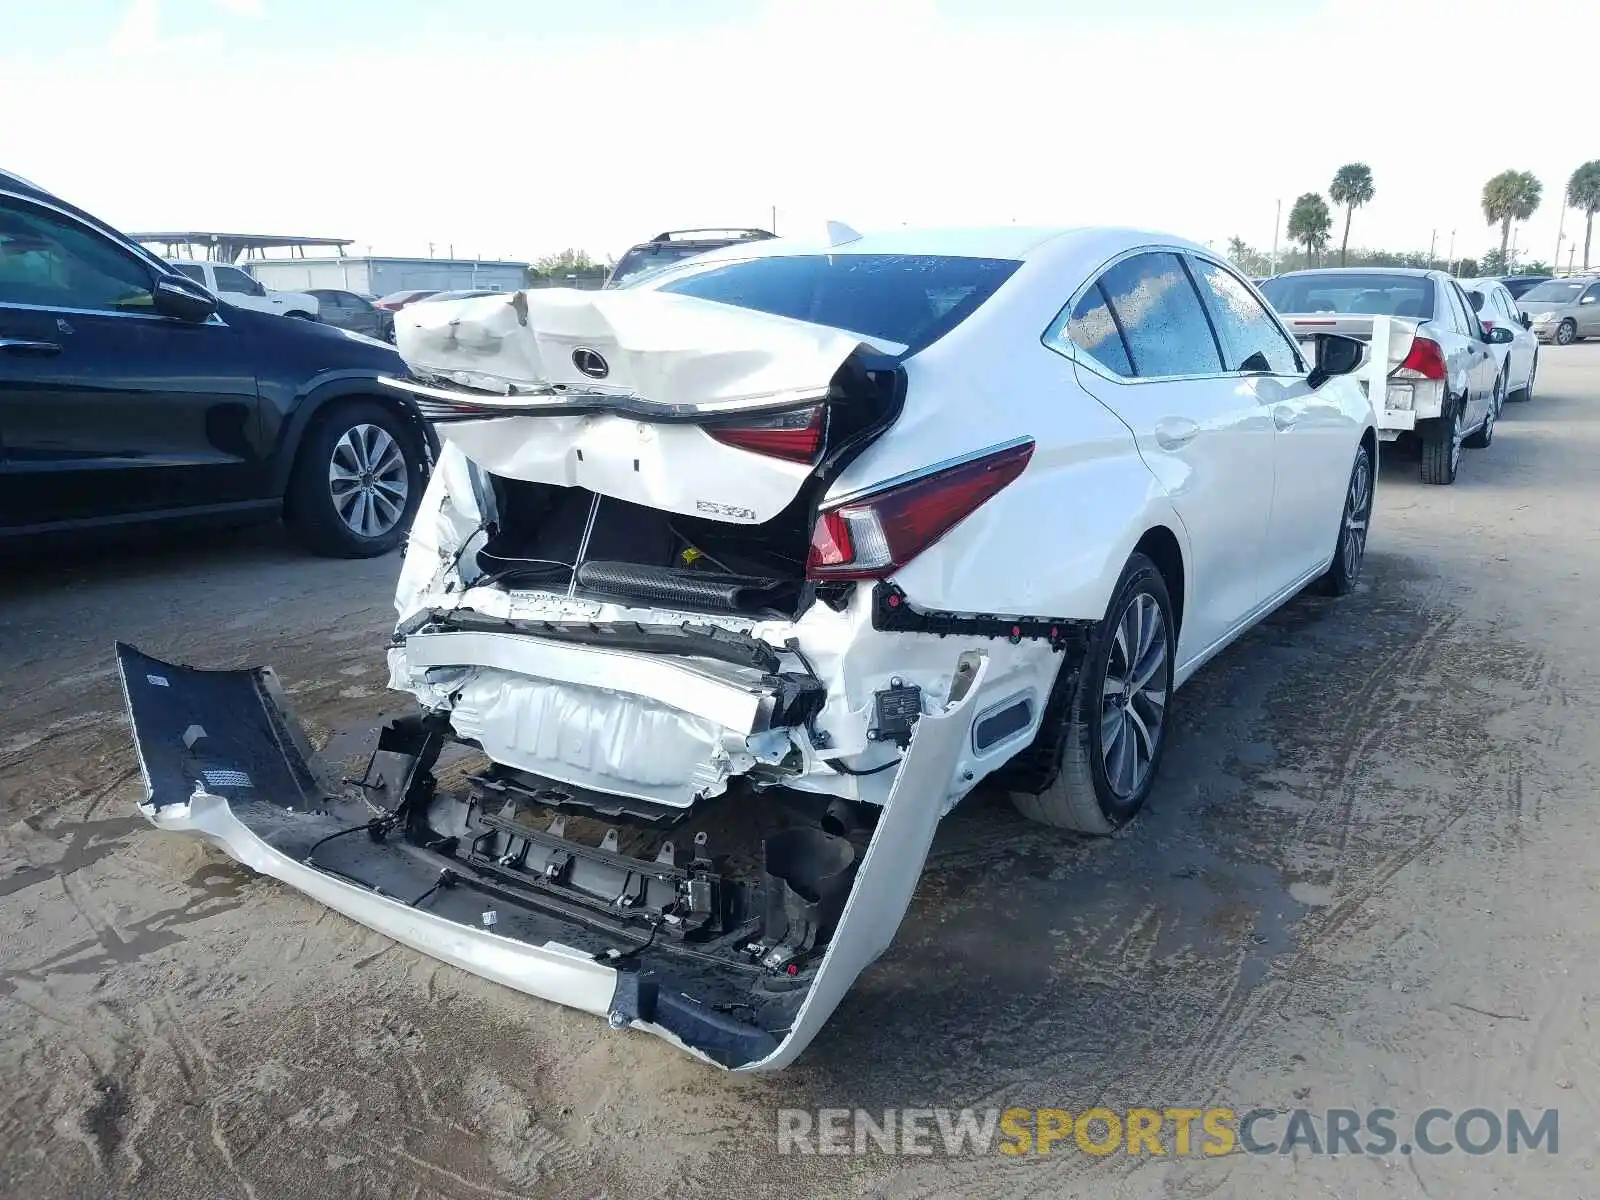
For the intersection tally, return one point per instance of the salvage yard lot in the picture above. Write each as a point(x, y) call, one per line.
point(1365, 878)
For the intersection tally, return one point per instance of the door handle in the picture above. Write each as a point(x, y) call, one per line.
point(25, 346)
point(1284, 416)
point(1173, 433)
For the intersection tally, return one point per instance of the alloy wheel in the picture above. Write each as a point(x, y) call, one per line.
point(1566, 333)
point(1455, 439)
point(1133, 699)
point(1357, 516)
point(369, 480)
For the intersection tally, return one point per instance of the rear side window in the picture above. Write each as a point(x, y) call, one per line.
point(191, 271)
point(913, 299)
point(1165, 328)
point(1247, 330)
point(1093, 331)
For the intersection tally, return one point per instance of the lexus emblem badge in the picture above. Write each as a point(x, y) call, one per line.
point(590, 362)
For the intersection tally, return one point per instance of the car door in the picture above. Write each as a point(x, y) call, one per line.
point(1523, 344)
point(107, 408)
point(1144, 348)
point(1478, 365)
point(1588, 311)
point(1316, 429)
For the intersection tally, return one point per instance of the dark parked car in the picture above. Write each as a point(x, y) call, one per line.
point(395, 301)
point(355, 313)
point(1518, 284)
point(675, 245)
point(129, 393)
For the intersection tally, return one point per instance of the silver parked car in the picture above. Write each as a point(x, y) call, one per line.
point(1564, 310)
point(1445, 383)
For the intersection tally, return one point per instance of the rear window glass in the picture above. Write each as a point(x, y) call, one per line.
point(1556, 291)
point(1385, 295)
point(913, 299)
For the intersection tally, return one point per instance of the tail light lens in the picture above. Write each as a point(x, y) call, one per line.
point(876, 535)
point(792, 436)
point(1425, 360)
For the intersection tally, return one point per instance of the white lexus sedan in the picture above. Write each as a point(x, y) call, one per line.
point(738, 579)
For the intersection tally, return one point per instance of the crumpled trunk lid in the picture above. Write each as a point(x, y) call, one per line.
point(614, 391)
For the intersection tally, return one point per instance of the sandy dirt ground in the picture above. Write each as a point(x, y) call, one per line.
point(1367, 878)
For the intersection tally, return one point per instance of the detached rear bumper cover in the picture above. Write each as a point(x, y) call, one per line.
point(224, 761)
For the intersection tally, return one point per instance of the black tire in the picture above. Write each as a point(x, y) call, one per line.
point(1082, 797)
point(1566, 332)
point(1350, 550)
point(1484, 436)
point(1525, 393)
point(1441, 444)
point(309, 505)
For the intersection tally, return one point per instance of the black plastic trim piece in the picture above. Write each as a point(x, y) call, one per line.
point(892, 612)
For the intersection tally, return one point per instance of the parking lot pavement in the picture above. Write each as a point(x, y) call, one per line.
point(1365, 879)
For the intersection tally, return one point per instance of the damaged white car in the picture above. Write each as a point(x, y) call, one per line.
point(734, 582)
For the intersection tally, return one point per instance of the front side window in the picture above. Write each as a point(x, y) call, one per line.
point(1592, 295)
point(51, 261)
point(1248, 332)
point(231, 279)
point(1162, 322)
point(191, 271)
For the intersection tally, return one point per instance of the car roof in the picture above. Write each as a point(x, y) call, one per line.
point(1415, 272)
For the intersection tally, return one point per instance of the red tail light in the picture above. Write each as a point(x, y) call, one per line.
point(876, 535)
point(792, 436)
point(1425, 358)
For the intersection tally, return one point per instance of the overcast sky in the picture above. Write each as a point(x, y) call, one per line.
point(518, 127)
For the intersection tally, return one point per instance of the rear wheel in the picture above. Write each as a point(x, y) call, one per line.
point(1525, 393)
point(356, 481)
point(1441, 444)
point(1117, 721)
point(1484, 436)
point(1566, 332)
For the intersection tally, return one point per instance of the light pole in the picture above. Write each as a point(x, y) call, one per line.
point(1452, 252)
point(1277, 224)
point(1561, 235)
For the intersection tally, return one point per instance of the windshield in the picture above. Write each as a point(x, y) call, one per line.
point(1556, 291)
point(911, 299)
point(1378, 294)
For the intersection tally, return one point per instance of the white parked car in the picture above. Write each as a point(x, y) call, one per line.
point(1518, 359)
point(240, 289)
point(741, 578)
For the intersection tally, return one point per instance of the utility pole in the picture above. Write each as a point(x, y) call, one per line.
point(1452, 252)
point(1561, 235)
point(774, 224)
point(1433, 240)
point(1511, 254)
point(1277, 224)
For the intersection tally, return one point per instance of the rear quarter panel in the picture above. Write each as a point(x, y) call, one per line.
point(1054, 542)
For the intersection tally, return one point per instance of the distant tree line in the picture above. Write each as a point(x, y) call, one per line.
point(566, 265)
point(1509, 196)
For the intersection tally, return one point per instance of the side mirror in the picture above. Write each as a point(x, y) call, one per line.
point(1587, 300)
point(1336, 355)
point(1527, 321)
point(182, 300)
point(1500, 335)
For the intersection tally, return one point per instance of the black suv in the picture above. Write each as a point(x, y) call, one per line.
point(675, 245)
point(129, 393)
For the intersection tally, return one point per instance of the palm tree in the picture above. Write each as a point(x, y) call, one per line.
point(1583, 191)
point(1237, 250)
point(1510, 196)
point(1309, 222)
point(1352, 187)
